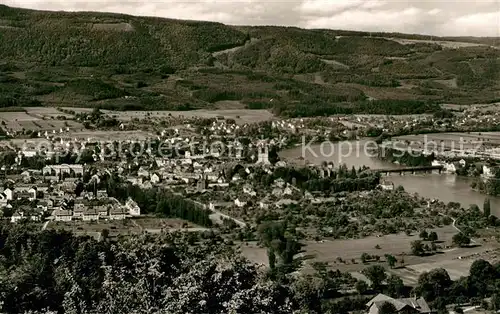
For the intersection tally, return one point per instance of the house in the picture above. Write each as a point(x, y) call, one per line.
point(79, 207)
point(33, 193)
point(488, 172)
point(281, 163)
point(117, 213)
point(146, 185)
point(386, 185)
point(462, 163)
point(132, 207)
point(451, 167)
point(3, 200)
point(90, 214)
point(102, 210)
point(143, 173)
point(277, 192)
point(287, 191)
point(23, 194)
point(247, 189)
point(405, 305)
point(240, 202)
point(202, 184)
point(155, 178)
point(26, 177)
point(280, 183)
point(63, 215)
point(102, 194)
point(9, 194)
point(236, 177)
point(17, 216)
point(24, 213)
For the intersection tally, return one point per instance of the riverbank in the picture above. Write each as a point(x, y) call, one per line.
point(445, 187)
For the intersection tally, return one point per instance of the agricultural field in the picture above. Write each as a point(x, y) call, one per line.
point(129, 227)
point(112, 135)
point(451, 140)
point(456, 261)
point(239, 115)
point(155, 225)
point(94, 228)
point(38, 119)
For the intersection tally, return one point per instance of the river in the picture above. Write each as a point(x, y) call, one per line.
point(445, 187)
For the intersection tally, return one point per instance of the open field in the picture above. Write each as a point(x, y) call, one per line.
point(455, 260)
point(45, 112)
point(116, 227)
point(125, 227)
point(112, 135)
point(442, 43)
point(37, 119)
point(157, 225)
point(241, 116)
point(452, 140)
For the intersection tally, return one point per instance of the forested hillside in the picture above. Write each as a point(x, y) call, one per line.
point(125, 62)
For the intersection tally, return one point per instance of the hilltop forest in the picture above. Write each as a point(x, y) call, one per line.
point(124, 62)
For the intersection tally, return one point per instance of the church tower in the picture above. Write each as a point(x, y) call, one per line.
point(263, 154)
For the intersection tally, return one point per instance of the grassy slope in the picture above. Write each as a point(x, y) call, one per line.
point(127, 62)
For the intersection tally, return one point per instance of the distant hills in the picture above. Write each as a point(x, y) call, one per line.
point(125, 62)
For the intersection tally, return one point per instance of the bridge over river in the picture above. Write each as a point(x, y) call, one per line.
point(413, 170)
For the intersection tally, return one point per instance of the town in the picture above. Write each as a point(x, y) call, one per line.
point(156, 163)
point(213, 174)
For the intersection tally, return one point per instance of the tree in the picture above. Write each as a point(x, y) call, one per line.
point(387, 308)
point(364, 257)
point(461, 239)
point(395, 286)
point(361, 287)
point(433, 247)
point(376, 274)
point(417, 248)
point(391, 260)
point(432, 236)
point(423, 235)
point(433, 284)
point(481, 276)
point(495, 302)
point(487, 207)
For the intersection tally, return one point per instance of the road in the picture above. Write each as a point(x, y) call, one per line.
point(455, 226)
point(200, 229)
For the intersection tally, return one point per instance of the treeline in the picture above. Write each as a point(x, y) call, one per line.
point(329, 185)
point(175, 206)
point(155, 200)
point(386, 107)
point(303, 176)
point(405, 157)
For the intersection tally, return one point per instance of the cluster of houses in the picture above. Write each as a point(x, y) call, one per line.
point(52, 193)
point(89, 210)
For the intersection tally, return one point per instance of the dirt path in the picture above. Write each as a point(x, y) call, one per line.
point(45, 225)
point(454, 225)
